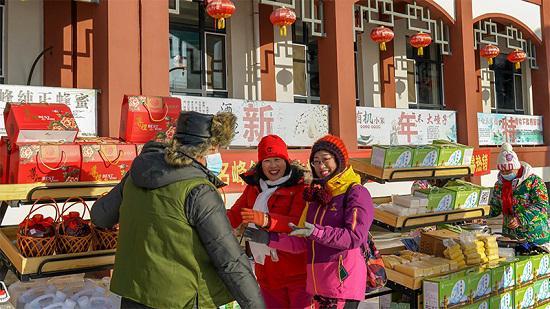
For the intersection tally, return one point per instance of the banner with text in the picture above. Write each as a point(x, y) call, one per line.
point(297, 124)
point(391, 126)
point(495, 129)
point(83, 103)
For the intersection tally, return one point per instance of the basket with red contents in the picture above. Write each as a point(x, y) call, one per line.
point(74, 234)
point(36, 234)
point(104, 238)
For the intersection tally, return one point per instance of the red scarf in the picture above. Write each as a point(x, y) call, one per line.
point(507, 193)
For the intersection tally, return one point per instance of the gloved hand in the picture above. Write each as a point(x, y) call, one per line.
point(514, 223)
point(259, 218)
point(257, 235)
point(305, 231)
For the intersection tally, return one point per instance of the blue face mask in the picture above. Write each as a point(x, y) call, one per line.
point(510, 176)
point(214, 163)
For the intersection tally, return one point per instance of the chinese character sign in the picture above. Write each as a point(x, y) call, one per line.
point(495, 129)
point(82, 102)
point(390, 126)
point(480, 162)
point(297, 124)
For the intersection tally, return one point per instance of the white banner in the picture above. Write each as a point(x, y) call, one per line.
point(391, 126)
point(495, 129)
point(297, 124)
point(83, 103)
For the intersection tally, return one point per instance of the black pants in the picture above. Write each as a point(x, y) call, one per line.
point(130, 304)
point(332, 303)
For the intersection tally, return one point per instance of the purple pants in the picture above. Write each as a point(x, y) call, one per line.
point(291, 296)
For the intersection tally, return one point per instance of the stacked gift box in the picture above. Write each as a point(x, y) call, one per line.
point(42, 145)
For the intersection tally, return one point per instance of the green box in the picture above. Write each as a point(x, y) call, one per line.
point(466, 196)
point(439, 199)
point(547, 306)
point(484, 192)
point(541, 264)
point(449, 155)
point(484, 304)
point(503, 276)
point(467, 152)
point(425, 156)
point(525, 272)
point(446, 291)
point(524, 297)
point(391, 156)
point(502, 301)
point(542, 290)
point(480, 282)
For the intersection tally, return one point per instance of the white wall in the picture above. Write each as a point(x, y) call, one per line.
point(24, 40)
point(368, 64)
point(284, 83)
point(528, 13)
point(401, 63)
point(448, 6)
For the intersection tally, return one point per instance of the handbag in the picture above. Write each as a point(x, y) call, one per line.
point(376, 273)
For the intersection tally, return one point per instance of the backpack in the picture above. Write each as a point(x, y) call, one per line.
point(376, 274)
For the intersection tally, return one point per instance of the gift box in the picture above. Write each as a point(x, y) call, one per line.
point(149, 118)
point(542, 291)
point(484, 192)
point(480, 283)
point(106, 161)
point(466, 153)
point(34, 123)
point(4, 159)
point(425, 156)
point(391, 156)
point(525, 271)
point(139, 148)
point(542, 265)
point(466, 196)
point(503, 276)
point(439, 199)
point(502, 301)
point(43, 162)
point(447, 290)
point(97, 140)
point(524, 297)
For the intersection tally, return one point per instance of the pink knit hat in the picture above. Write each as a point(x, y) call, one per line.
point(507, 159)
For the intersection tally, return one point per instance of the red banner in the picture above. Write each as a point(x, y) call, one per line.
point(480, 162)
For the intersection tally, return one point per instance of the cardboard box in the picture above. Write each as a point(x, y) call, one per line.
point(525, 271)
point(4, 159)
point(42, 162)
point(466, 197)
point(432, 242)
point(106, 161)
point(484, 192)
point(425, 156)
point(524, 298)
point(467, 151)
point(391, 156)
point(503, 275)
point(480, 282)
point(39, 122)
point(439, 199)
point(449, 155)
point(483, 304)
point(542, 290)
point(149, 118)
point(502, 301)
point(541, 264)
point(546, 306)
point(446, 291)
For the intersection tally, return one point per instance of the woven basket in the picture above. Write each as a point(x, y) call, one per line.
point(72, 244)
point(37, 246)
point(104, 239)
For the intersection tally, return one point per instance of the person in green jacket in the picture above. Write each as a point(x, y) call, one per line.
point(522, 198)
point(175, 246)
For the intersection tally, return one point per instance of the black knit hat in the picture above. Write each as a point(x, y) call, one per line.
point(193, 128)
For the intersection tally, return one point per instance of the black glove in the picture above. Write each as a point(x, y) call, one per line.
point(257, 235)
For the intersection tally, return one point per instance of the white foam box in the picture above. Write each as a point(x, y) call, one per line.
point(409, 201)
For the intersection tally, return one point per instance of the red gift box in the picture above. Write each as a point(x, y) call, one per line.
point(139, 148)
point(97, 140)
point(149, 118)
point(104, 162)
point(43, 162)
point(4, 159)
point(34, 123)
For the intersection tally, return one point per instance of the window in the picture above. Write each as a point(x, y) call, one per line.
point(424, 78)
point(197, 52)
point(305, 65)
point(508, 87)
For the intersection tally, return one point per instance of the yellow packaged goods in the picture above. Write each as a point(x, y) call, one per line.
point(410, 269)
point(493, 257)
point(453, 255)
point(390, 261)
point(473, 261)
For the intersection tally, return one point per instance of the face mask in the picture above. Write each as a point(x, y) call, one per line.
point(509, 177)
point(214, 163)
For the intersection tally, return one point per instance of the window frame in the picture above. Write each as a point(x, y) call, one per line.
point(306, 38)
point(440, 70)
point(495, 109)
point(205, 56)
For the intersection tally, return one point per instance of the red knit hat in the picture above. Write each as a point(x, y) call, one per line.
point(335, 146)
point(272, 146)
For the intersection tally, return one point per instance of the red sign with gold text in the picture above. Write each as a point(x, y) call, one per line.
point(480, 162)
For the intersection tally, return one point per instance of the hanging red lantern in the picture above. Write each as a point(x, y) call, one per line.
point(420, 40)
point(489, 52)
point(282, 17)
point(517, 57)
point(220, 10)
point(381, 35)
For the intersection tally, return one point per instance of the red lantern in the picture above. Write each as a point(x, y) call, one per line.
point(282, 17)
point(220, 10)
point(420, 40)
point(517, 57)
point(381, 35)
point(489, 52)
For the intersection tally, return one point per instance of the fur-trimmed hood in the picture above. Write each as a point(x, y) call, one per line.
point(252, 176)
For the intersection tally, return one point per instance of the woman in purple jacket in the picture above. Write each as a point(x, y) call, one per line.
point(336, 227)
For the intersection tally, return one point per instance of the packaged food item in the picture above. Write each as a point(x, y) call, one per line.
point(425, 156)
point(409, 201)
point(446, 290)
point(480, 282)
point(449, 155)
point(399, 210)
point(439, 199)
point(391, 156)
point(466, 197)
point(502, 301)
point(542, 290)
point(524, 297)
point(525, 272)
point(483, 304)
point(503, 275)
point(541, 264)
point(466, 152)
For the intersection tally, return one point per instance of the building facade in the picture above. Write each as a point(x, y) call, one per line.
point(172, 47)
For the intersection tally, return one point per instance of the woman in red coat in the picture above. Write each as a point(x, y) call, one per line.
point(272, 199)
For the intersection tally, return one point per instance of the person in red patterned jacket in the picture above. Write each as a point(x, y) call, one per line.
point(272, 199)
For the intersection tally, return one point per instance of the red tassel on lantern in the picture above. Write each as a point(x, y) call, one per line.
point(420, 40)
point(220, 10)
point(517, 57)
point(489, 52)
point(381, 35)
point(282, 17)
